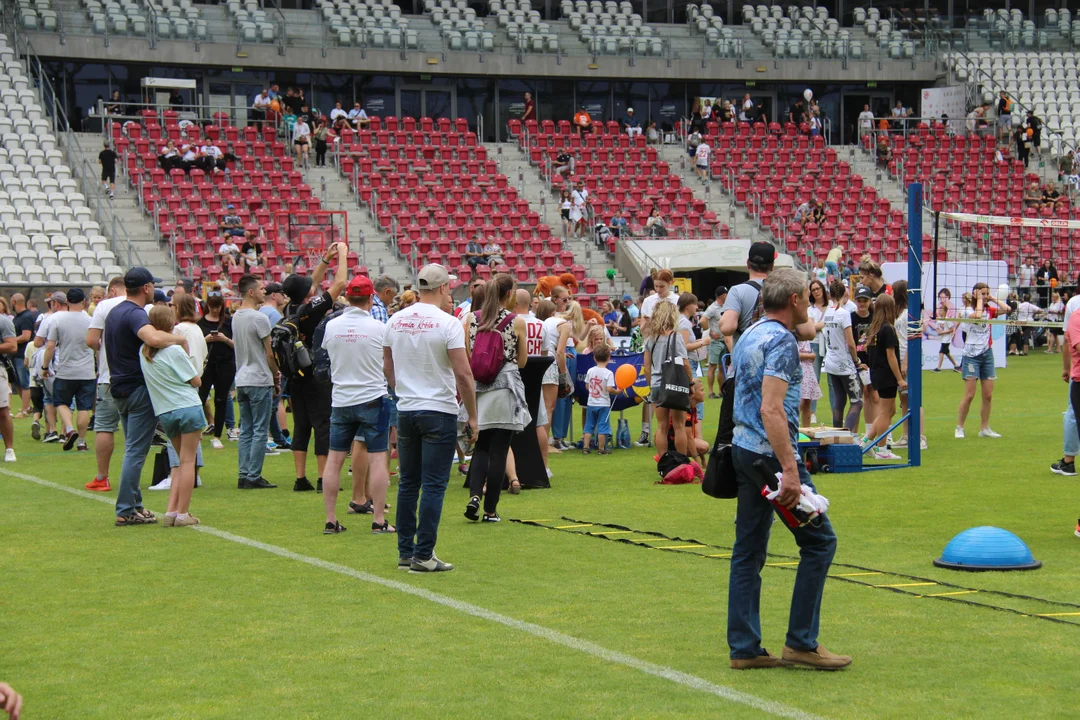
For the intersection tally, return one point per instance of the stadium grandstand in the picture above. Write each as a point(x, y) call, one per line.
point(450, 122)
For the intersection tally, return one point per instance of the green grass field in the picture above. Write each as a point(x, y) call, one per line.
point(104, 622)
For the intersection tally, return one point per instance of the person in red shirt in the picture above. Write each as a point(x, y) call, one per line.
point(530, 109)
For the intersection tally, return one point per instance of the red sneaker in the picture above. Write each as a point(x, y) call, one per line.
point(101, 485)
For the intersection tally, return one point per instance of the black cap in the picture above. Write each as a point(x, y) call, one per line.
point(864, 292)
point(188, 284)
point(160, 296)
point(273, 288)
point(75, 295)
point(296, 287)
point(720, 290)
point(762, 253)
point(139, 276)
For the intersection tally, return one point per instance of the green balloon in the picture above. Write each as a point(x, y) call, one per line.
point(611, 273)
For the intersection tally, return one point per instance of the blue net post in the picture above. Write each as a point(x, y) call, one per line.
point(915, 303)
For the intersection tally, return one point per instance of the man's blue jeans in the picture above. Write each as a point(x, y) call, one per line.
point(139, 422)
point(1072, 439)
point(753, 520)
point(564, 407)
point(275, 429)
point(426, 445)
point(254, 420)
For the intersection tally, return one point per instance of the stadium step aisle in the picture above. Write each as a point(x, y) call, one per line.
point(586, 254)
point(140, 227)
point(378, 251)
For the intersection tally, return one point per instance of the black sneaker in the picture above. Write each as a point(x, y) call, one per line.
point(365, 509)
point(260, 484)
point(318, 486)
point(1064, 468)
point(35, 430)
point(643, 440)
point(208, 431)
point(302, 485)
point(51, 437)
point(491, 518)
point(472, 510)
point(70, 438)
point(333, 528)
point(90, 424)
point(404, 563)
point(284, 445)
point(241, 484)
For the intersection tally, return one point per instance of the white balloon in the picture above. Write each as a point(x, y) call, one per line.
point(808, 94)
point(1003, 292)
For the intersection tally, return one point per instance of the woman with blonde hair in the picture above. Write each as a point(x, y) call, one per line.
point(564, 407)
point(664, 343)
point(172, 383)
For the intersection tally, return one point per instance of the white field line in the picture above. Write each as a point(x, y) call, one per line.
point(568, 641)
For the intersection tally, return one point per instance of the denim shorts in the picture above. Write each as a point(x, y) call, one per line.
point(23, 374)
point(980, 367)
point(368, 423)
point(597, 420)
point(81, 392)
point(106, 416)
point(183, 421)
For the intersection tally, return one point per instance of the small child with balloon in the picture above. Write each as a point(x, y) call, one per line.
point(600, 382)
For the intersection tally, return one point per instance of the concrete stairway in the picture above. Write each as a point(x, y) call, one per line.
point(375, 248)
point(132, 230)
point(514, 164)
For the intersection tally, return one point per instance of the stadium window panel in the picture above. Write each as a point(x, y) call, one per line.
point(632, 95)
point(377, 94)
point(595, 95)
point(475, 96)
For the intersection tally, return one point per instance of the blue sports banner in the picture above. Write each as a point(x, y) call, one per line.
point(633, 395)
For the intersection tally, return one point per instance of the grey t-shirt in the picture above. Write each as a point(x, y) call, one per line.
point(249, 328)
point(742, 299)
point(658, 347)
point(7, 330)
point(713, 313)
point(74, 361)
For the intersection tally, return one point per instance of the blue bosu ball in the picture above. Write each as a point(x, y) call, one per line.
point(987, 548)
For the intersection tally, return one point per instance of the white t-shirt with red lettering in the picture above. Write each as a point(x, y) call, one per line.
point(597, 382)
point(420, 338)
point(534, 336)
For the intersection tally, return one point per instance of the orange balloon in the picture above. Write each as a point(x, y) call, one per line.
point(625, 376)
point(1053, 282)
point(275, 106)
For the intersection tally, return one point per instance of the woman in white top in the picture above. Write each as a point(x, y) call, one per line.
point(819, 303)
point(554, 338)
point(1055, 313)
point(301, 140)
point(841, 362)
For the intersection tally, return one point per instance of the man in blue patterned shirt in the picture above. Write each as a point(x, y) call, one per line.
point(386, 288)
point(767, 384)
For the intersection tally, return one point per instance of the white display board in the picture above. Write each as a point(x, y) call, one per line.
point(958, 277)
point(951, 101)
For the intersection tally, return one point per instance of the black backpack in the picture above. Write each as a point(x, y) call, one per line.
point(291, 355)
point(321, 359)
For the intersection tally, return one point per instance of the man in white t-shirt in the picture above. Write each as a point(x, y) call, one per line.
point(1067, 464)
point(866, 122)
point(701, 160)
point(978, 363)
point(662, 284)
point(1027, 274)
point(360, 404)
point(426, 364)
point(841, 364)
point(1025, 312)
point(106, 416)
point(57, 303)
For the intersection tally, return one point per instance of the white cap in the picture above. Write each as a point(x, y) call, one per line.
point(629, 110)
point(433, 277)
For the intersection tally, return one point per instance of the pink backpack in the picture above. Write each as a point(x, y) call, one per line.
point(487, 351)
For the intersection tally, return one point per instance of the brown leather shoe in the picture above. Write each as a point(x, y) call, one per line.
point(757, 663)
point(819, 659)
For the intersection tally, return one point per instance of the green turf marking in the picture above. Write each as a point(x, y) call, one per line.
point(790, 563)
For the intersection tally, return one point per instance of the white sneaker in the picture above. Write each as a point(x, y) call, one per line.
point(272, 449)
point(901, 443)
point(216, 444)
point(886, 454)
point(988, 433)
point(198, 481)
point(165, 484)
point(234, 434)
point(922, 442)
point(959, 434)
point(549, 473)
point(813, 418)
point(9, 455)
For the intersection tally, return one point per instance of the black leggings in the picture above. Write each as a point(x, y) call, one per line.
point(218, 376)
point(320, 153)
point(311, 411)
point(489, 465)
point(37, 398)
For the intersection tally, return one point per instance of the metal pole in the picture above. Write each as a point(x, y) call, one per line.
point(915, 298)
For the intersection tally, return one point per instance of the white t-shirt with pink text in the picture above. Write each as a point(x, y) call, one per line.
point(420, 338)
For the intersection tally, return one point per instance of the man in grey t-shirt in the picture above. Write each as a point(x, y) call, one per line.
point(76, 379)
point(743, 299)
point(717, 346)
point(257, 377)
